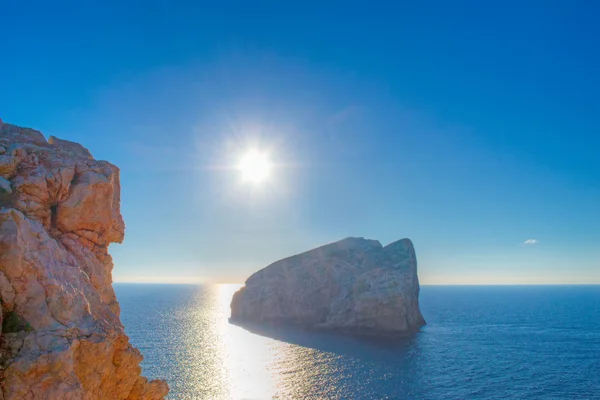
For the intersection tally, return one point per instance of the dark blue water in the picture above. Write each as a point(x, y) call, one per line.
point(525, 342)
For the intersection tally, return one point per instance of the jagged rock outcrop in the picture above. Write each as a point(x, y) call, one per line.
point(355, 286)
point(61, 334)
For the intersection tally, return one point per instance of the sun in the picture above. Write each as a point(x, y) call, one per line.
point(255, 167)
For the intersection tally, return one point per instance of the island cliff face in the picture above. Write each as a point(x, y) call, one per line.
point(61, 334)
point(355, 286)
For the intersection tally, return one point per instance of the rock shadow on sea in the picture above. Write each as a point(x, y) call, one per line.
point(366, 347)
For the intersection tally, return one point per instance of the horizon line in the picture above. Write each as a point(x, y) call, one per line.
point(421, 285)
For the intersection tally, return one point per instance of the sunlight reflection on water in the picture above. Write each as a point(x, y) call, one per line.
point(219, 360)
point(247, 359)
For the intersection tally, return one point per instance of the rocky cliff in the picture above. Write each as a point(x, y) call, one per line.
point(354, 285)
point(61, 334)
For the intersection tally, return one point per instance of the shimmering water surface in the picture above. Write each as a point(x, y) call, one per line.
point(536, 342)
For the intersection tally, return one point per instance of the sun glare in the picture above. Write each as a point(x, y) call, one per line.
point(255, 167)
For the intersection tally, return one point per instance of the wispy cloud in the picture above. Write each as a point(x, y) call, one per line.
point(344, 115)
point(531, 241)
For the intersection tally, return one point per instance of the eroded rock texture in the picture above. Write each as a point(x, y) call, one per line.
point(61, 334)
point(354, 285)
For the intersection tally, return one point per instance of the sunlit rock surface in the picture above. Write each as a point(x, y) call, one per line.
point(61, 334)
point(354, 285)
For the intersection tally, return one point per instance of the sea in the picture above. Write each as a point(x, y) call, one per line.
point(480, 342)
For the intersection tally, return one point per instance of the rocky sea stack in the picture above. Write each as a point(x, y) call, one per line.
point(61, 334)
point(355, 286)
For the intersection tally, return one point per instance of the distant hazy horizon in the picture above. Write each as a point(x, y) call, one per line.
point(199, 281)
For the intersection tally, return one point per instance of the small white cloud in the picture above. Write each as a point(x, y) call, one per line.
point(531, 241)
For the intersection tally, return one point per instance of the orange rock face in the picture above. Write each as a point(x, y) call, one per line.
point(61, 333)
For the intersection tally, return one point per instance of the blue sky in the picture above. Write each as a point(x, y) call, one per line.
point(469, 127)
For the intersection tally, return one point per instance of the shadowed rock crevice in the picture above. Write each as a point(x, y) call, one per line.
point(61, 334)
point(13, 323)
point(53, 216)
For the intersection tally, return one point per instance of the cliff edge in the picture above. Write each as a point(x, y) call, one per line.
point(354, 285)
point(61, 334)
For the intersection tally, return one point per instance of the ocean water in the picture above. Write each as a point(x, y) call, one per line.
point(520, 342)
